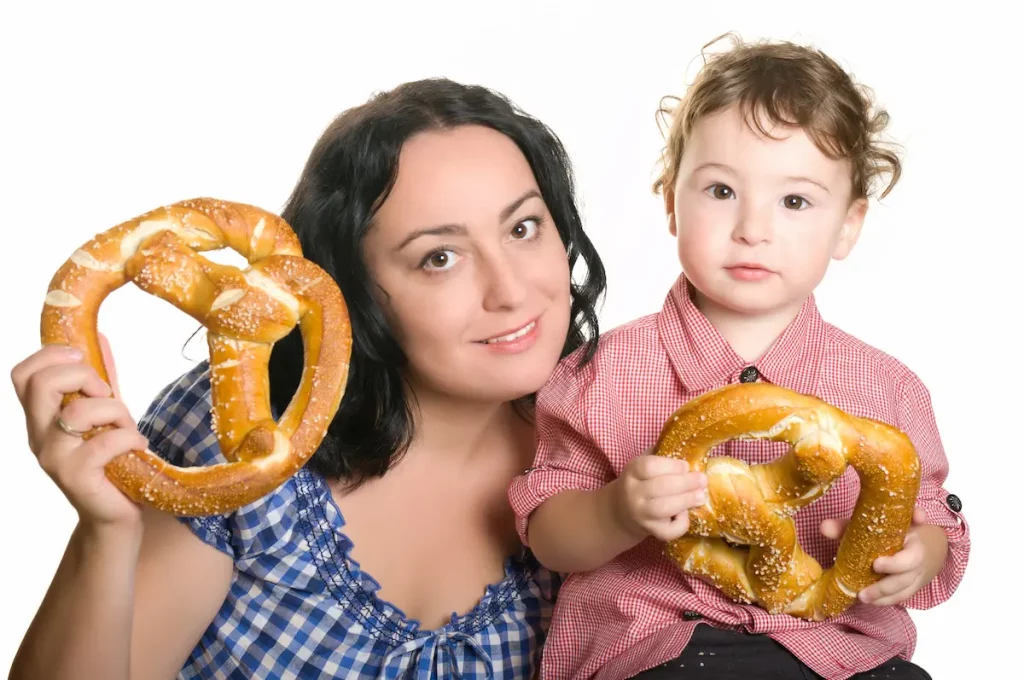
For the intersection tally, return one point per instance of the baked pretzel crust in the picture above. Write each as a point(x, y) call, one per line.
point(743, 539)
point(245, 312)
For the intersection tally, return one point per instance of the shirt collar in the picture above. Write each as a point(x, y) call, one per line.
point(703, 359)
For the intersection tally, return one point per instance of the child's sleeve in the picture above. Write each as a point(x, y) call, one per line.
point(569, 408)
point(917, 420)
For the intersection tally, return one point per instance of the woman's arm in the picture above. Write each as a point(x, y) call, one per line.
point(125, 603)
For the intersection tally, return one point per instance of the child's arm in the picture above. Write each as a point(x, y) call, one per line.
point(573, 508)
point(941, 510)
point(577, 530)
point(931, 564)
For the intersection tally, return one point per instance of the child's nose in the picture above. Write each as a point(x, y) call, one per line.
point(753, 226)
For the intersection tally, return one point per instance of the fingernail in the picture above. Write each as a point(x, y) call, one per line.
point(702, 497)
point(73, 352)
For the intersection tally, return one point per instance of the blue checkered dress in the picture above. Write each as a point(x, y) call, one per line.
point(299, 607)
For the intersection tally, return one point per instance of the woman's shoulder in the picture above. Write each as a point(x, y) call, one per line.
point(179, 421)
point(179, 426)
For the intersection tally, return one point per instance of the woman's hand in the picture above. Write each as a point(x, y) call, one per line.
point(77, 466)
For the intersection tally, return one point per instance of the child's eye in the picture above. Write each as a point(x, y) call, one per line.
point(526, 229)
point(721, 192)
point(794, 202)
point(439, 260)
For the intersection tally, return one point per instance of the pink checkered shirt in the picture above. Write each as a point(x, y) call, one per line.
point(639, 610)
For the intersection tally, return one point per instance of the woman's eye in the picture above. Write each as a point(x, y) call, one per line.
point(439, 260)
point(795, 202)
point(721, 192)
point(525, 229)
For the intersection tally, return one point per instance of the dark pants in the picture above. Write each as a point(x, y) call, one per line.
point(722, 654)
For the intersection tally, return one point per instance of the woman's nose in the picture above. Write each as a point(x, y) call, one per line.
point(504, 285)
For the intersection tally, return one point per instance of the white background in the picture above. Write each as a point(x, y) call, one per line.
point(108, 112)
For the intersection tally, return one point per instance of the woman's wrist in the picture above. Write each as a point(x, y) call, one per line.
point(109, 537)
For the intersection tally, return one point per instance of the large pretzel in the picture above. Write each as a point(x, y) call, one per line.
point(743, 539)
point(245, 314)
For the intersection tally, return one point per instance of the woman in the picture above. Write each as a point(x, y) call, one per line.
point(448, 219)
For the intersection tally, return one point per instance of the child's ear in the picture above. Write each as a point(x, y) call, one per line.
point(670, 209)
point(850, 231)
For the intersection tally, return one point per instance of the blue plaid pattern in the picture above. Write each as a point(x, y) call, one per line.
point(299, 607)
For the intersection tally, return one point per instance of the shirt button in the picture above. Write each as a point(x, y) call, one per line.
point(953, 501)
point(749, 375)
point(691, 616)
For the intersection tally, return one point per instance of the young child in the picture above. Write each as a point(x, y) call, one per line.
point(770, 161)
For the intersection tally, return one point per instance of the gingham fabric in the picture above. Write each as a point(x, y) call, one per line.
point(639, 611)
point(298, 607)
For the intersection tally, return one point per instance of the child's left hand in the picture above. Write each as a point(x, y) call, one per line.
point(909, 570)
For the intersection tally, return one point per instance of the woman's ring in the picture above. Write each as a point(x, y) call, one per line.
point(67, 428)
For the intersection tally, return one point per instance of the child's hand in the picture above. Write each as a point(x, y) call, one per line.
point(909, 570)
point(654, 494)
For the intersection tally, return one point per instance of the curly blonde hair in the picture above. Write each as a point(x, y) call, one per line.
point(781, 83)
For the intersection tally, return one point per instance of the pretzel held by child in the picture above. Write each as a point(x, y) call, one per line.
point(743, 539)
point(245, 313)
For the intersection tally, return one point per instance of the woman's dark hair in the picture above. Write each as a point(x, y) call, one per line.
point(349, 174)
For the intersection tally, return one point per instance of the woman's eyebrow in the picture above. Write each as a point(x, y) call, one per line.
point(440, 230)
point(460, 229)
point(514, 205)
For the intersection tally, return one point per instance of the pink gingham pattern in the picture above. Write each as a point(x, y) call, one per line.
point(639, 611)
